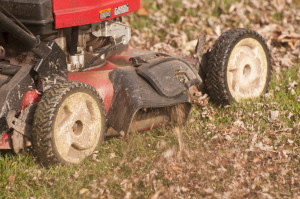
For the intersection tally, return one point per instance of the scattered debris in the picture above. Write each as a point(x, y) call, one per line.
point(274, 116)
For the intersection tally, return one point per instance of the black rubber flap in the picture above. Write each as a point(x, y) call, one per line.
point(131, 93)
point(169, 76)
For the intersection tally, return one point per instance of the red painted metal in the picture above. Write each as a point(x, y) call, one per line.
point(107, 66)
point(30, 97)
point(99, 79)
point(120, 59)
point(6, 141)
point(81, 12)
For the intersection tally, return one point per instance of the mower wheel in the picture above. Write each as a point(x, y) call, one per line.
point(239, 67)
point(69, 123)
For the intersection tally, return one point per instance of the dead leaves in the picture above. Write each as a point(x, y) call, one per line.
point(279, 5)
point(197, 97)
point(278, 22)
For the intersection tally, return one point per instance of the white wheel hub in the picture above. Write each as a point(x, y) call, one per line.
point(247, 70)
point(77, 127)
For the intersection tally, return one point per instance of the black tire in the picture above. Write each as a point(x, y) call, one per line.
point(221, 81)
point(54, 126)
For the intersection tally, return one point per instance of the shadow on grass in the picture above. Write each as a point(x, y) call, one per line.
point(8, 152)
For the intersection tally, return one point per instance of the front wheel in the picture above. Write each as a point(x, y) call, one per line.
point(239, 67)
point(69, 123)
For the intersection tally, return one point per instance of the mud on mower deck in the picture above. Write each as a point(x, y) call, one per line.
point(63, 91)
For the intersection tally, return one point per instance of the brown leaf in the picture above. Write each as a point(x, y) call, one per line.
point(143, 12)
point(268, 140)
point(176, 169)
point(76, 174)
point(274, 115)
point(234, 130)
point(157, 193)
point(12, 178)
point(256, 159)
point(209, 190)
point(51, 181)
point(225, 130)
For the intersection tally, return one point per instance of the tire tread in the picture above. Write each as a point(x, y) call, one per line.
point(44, 118)
point(216, 72)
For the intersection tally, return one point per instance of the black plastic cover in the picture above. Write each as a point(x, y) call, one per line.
point(169, 76)
point(37, 15)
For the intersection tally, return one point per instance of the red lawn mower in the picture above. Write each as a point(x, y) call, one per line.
point(68, 79)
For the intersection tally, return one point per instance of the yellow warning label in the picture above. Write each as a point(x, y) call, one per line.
point(106, 10)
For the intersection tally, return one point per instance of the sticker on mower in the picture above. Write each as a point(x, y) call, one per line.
point(121, 9)
point(105, 13)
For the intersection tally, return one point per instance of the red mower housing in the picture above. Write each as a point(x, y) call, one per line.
point(77, 12)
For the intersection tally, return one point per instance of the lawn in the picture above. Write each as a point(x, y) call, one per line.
point(245, 150)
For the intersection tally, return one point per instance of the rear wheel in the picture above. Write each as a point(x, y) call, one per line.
point(239, 67)
point(69, 123)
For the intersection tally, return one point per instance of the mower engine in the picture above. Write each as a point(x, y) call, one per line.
point(68, 79)
point(94, 29)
